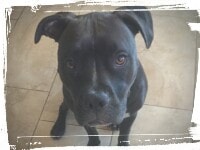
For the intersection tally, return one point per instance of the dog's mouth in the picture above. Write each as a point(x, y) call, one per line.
point(98, 123)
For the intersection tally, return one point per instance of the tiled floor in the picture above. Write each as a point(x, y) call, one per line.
point(33, 87)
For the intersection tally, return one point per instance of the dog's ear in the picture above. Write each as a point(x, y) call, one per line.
point(53, 26)
point(137, 20)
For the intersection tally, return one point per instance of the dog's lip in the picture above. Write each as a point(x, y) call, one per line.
point(98, 122)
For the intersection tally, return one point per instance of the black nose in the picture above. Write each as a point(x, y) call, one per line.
point(97, 100)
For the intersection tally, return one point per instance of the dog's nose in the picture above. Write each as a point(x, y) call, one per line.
point(97, 100)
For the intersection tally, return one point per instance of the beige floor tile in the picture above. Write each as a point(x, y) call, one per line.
point(159, 120)
point(29, 65)
point(23, 108)
point(13, 23)
point(157, 123)
point(54, 100)
point(74, 136)
point(16, 12)
point(53, 103)
point(170, 64)
point(186, 15)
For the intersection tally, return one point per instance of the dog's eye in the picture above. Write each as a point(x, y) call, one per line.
point(70, 64)
point(120, 60)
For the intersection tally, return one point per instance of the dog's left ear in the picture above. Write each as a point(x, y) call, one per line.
point(137, 20)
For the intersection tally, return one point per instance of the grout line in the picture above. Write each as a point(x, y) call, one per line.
point(47, 120)
point(196, 63)
point(43, 106)
point(110, 144)
point(25, 88)
point(168, 107)
point(17, 19)
point(21, 13)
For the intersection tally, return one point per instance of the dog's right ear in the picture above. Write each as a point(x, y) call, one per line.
point(53, 26)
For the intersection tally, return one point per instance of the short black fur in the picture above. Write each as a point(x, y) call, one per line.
point(103, 81)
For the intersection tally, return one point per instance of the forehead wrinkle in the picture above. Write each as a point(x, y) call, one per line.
point(113, 34)
point(84, 33)
point(88, 30)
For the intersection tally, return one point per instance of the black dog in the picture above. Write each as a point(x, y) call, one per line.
point(103, 80)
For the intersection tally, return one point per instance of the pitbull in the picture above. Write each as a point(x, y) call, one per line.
point(103, 80)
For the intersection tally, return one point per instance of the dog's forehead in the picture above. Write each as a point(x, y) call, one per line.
point(97, 30)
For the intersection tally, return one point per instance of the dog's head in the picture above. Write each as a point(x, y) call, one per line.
point(97, 59)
